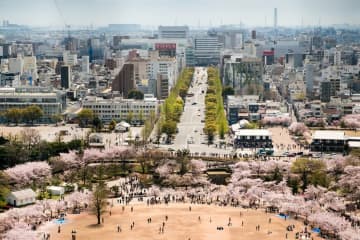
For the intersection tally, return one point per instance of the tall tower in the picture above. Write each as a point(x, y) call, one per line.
point(275, 20)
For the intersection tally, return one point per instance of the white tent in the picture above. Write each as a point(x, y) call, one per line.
point(243, 123)
point(55, 190)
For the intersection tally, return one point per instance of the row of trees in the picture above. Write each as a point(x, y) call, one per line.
point(215, 119)
point(173, 106)
point(28, 146)
point(28, 114)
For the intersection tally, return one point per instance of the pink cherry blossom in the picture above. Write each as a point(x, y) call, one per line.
point(24, 174)
point(21, 231)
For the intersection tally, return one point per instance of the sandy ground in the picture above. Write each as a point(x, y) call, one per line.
point(51, 133)
point(182, 224)
point(48, 132)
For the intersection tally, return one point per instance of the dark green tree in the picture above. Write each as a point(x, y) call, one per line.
point(85, 116)
point(136, 94)
point(227, 90)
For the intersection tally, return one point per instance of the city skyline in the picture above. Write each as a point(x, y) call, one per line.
point(199, 13)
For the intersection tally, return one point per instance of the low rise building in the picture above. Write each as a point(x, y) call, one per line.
point(329, 141)
point(21, 198)
point(253, 138)
point(121, 109)
point(52, 102)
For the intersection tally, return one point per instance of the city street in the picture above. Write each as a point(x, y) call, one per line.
point(192, 121)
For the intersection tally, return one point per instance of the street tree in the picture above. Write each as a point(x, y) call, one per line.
point(57, 118)
point(228, 90)
point(85, 116)
point(32, 113)
point(97, 123)
point(169, 128)
point(130, 117)
point(210, 130)
point(140, 117)
point(13, 115)
point(112, 125)
point(136, 94)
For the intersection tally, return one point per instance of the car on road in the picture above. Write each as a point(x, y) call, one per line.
point(285, 154)
point(194, 103)
point(195, 130)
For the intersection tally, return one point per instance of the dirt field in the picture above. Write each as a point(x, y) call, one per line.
point(181, 224)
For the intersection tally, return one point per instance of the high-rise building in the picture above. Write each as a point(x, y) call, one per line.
point(173, 31)
point(335, 86)
point(162, 86)
point(325, 90)
point(85, 64)
point(65, 73)
point(253, 34)
point(190, 57)
point(124, 81)
point(71, 44)
point(69, 58)
point(207, 50)
point(309, 78)
point(237, 74)
point(337, 58)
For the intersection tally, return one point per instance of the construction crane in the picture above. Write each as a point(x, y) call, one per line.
point(67, 26)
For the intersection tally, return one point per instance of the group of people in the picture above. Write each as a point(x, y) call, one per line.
point(130, 188)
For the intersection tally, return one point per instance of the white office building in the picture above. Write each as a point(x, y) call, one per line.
point(119, 109)
point(173, 31)
point(69, 59)
point(52, 102)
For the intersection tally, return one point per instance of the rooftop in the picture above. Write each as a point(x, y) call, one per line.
point(253, 132)
point(23, 194)
point(334, 135)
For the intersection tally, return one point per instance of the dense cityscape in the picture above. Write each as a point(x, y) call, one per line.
point(178, 131)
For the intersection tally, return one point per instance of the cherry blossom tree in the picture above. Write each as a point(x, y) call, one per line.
point(76, 199)
point(350, 182)
point(351, 121)
point(21, 231)
point(298, 128)
point(329, 222)
point(283, 120)
point(197, 166)
point(350, 234)
point(315, 122)
point(23, 174)
point(70, 159)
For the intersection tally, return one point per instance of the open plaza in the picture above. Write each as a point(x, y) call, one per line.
point(201, 223)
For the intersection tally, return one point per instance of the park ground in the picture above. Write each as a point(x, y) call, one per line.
point(181, 224)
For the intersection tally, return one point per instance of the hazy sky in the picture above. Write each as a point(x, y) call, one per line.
point(179, 12)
